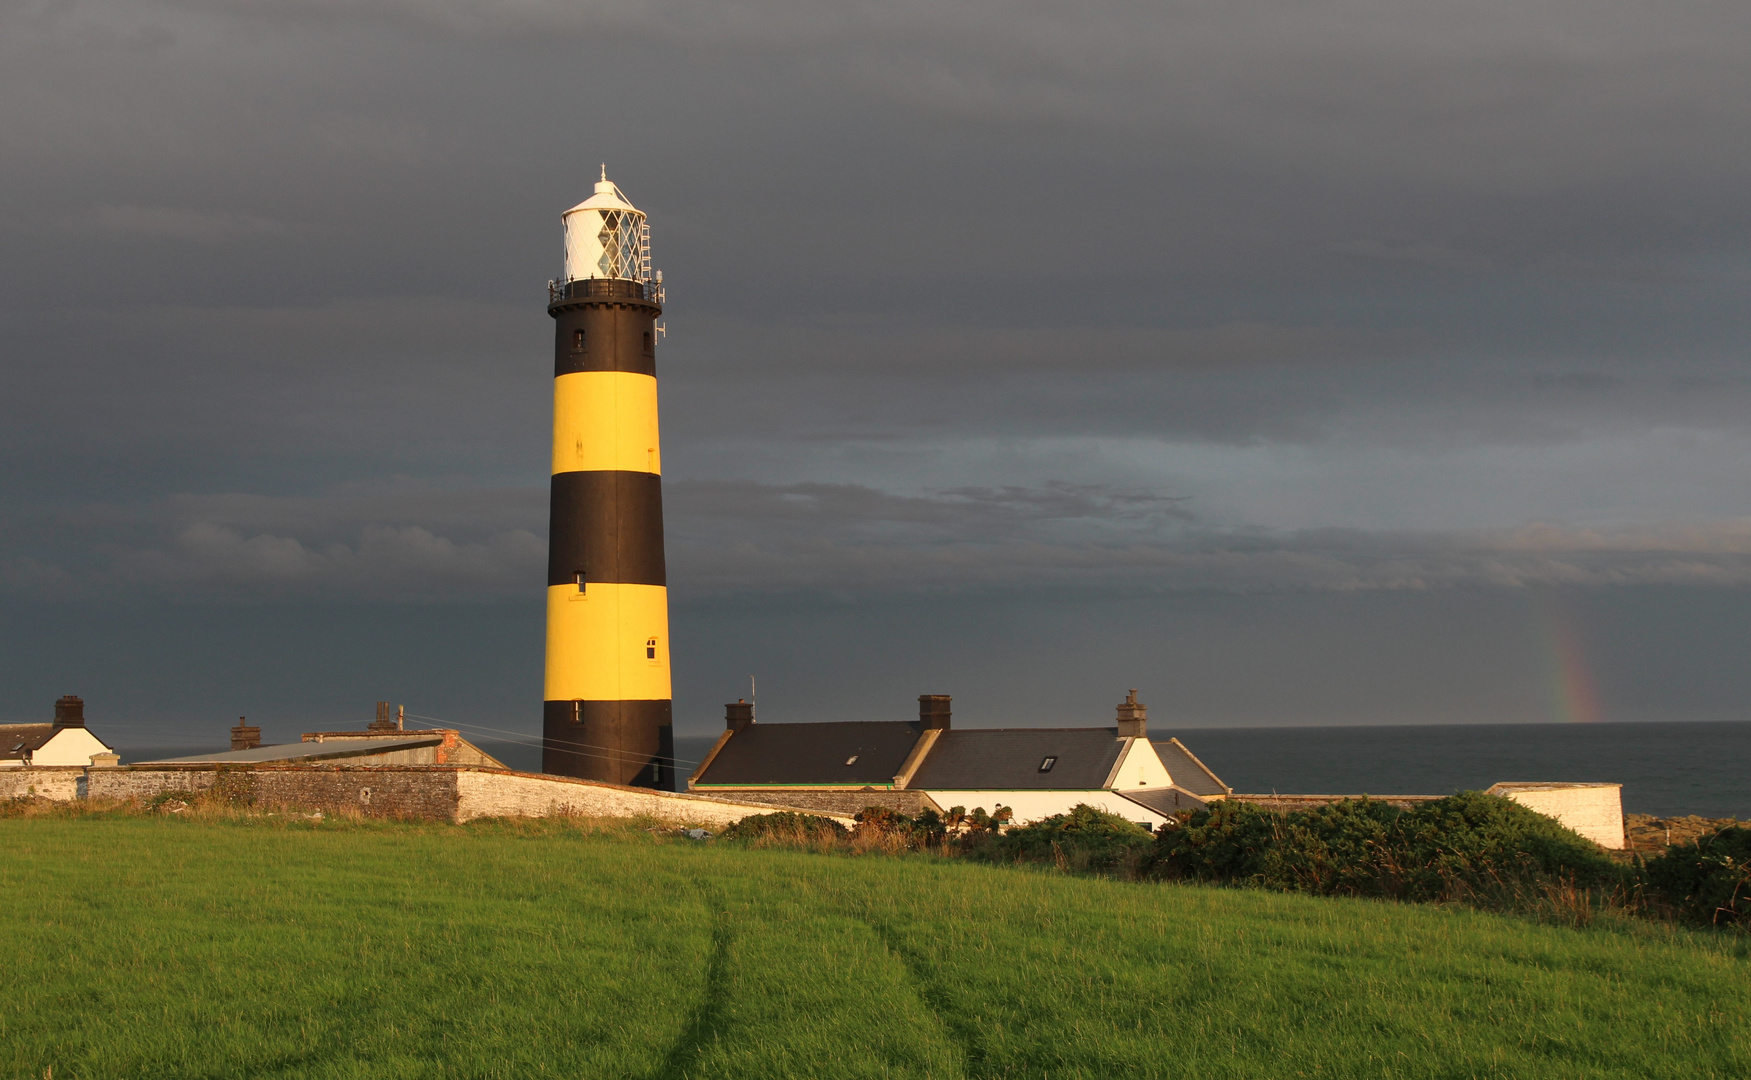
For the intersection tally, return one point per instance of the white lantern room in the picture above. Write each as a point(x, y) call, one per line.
point(606, 237)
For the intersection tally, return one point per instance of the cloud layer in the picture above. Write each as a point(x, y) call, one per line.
point(1330, 304)
point(746, 539)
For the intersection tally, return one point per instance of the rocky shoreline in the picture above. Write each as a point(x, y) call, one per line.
point(1647, 833)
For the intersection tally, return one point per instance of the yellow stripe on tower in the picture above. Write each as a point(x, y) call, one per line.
point(600, 640)
point(605, 421)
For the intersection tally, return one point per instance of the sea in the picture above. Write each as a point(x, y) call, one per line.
point(1668, 769)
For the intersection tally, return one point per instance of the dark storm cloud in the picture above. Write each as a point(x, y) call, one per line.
point(1293, 299)
point(730, 539)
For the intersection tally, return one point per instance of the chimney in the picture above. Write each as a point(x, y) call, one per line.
point(69, 711)
point(245, 737)
point(383, 721)
point(738, 714)
point(1133, 718)
point(933, 711)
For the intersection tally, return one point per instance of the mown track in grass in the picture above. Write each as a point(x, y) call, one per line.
point(141, 946)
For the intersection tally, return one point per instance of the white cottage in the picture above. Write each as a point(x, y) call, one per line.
point(913, 766)
point(67, 741)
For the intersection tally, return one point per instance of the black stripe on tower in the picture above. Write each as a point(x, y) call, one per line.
point(600, 330)
point(618, 742)
point(607, 526)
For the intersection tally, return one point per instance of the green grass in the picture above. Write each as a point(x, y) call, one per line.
point(156, 947)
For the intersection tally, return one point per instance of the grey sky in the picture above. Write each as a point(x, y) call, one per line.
point(1132, 306)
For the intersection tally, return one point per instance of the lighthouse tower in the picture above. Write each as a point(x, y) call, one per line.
point(606, 715)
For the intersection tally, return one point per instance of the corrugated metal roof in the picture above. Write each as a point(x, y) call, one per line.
point(1187, 771)
point(299, 751)
point(1009, 759)
point(813, 754)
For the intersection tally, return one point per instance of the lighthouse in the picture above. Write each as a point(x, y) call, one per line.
point(607, 712)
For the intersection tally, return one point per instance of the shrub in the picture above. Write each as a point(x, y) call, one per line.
point(1708, 880)
point(882, 828)
point(978, 822)
point(786, 826)
point(1083, 839)
point(1471, 847)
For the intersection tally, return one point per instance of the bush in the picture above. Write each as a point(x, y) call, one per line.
point(786, 826)
point(973, 825)
point(1083, 839)
point(882, 828)
point(1471, 847)
point(1706, 881)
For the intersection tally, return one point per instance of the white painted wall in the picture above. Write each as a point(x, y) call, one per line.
point(1034, 805)
point(1140, 767)
point(1593, 810)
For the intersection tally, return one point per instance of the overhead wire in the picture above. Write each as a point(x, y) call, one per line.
point(545, 742)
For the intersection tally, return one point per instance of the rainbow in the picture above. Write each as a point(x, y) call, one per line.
point(1574, 694)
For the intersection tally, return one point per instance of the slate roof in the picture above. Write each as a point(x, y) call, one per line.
point(1187, 771)
point(813, 754)
point(1008, 759)
point(1162, 800)
point(301, 751)
point(16, 739)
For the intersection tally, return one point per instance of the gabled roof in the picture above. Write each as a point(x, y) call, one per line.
point(1187, 771)
point(815, 754)
point(1009, 759)
point(16, 740)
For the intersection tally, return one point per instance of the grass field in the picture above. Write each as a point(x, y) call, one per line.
point(157, 947)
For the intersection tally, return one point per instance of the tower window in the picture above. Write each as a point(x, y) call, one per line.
point(580, 580)
point(647, 343)
point(577, 712)
point(1046, 765)
point(650, 648)
point(577, 341)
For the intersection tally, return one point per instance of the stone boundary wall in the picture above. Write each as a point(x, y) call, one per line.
point(1287, 803)
point(372, 790)
point(503, 793)
point(827, 803)
point(61, 783)
point(454, 793)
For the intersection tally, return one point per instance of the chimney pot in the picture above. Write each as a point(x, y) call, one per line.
point(384, 721)
point(245, 736)
point(738, 714)
point(69, 711)
point(933, 711)
point(1133, 718)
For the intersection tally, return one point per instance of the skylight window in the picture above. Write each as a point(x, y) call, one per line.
point(852, 760)
point(1046, 765)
